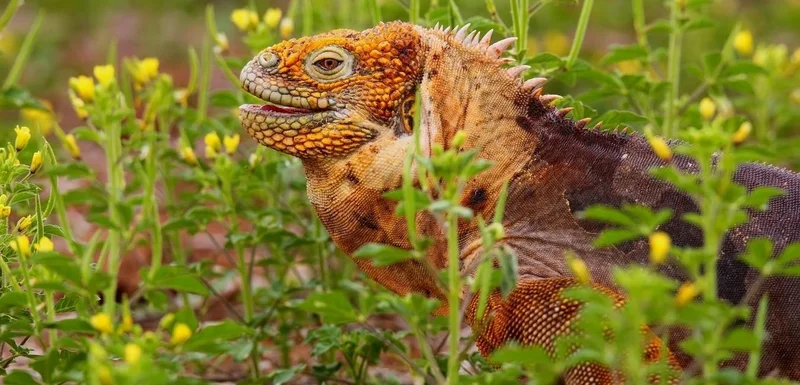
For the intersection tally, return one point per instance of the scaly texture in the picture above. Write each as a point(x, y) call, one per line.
point(341, 102)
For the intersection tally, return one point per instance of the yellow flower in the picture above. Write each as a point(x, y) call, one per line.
point(132, 353)
point(211, 153)
point(180, 334)
point(43, 119)
point(222, 42)
point(578, 268)
point(796, 56)
point(104, 375)
point(23, 137)
point(742, 133)
point(272, 17)
point(660, 147)
point(244, 19)
point(24, 222)
point(83, 86)
point(5, 211)
point(3, 199)
point(187, 154)
point(686, 293)
point(231, 143)
point(79, 106)
point(796, 96)
point(127, 323)
point(556, 43)
point(44, 245)
point(104, 74)
point(72, 146)
point(145, 70)
point(102, 323)
point(629, 67)
point(707, 108)
point(36, 162)
point(660, 243)
point(21, 245)
point(743, 43)
point(212, 140)
point(286, 28)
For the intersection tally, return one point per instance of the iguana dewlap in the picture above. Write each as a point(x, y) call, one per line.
point(342, 101)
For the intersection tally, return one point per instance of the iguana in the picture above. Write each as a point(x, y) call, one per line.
point(343, 102)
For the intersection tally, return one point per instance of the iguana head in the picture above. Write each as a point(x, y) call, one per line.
point(328, 94)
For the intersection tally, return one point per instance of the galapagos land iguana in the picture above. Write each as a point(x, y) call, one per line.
point(342, 103)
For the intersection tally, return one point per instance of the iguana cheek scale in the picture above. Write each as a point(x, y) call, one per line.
point(341, 102)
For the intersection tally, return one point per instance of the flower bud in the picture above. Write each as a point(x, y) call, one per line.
point(686, 293)
point(79, 106)
point(742, 133)
point(661, 148)
point(222, 42)
point(24, 222)
point(36, 162)
point(743, 43)
point(244, 19)
point(133, 353)
point(166, 321)
point(579, 269)
point(72, 146)
point(458, 139)
point(707, 108)
point(496, 230)
point(660, 243)
point(231, 143)
point(102, 323)
point(23, 137)
point(180, 334)
point(286, 28)
point(212, 140)
point(272, 17)
point(104, 376)
point(5, 211)
point(187, 153)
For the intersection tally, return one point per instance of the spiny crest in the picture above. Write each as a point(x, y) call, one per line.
point(473, 40)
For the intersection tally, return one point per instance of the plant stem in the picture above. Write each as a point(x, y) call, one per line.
point(150, 204)
point(454, 289)
point(580, 32)
point(25, 50)
point(638, 22)
point(673, 70)
point(374, 10)
point(308, 17)
point(8, 13)
point(413, 11)
point(113, 147)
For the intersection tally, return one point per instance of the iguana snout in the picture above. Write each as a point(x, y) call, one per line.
point(328, 94)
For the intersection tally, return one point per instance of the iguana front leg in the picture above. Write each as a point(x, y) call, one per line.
point(536, 313)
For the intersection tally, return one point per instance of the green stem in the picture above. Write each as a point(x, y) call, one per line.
point(24, 51)
point(413, 11)
point(113, 147)
point(150, 205)
point(26, 281)
point(308, 17)
point(638, 22)
point(580, 32)
point(205, 79)
point(760, 333)
point(453, 296)
point(673, 70)
point(9, 12)
point(375, 11)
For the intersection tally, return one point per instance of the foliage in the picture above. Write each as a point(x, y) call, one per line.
point(175, 169)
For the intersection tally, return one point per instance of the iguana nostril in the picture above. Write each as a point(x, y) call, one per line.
point(268, 60)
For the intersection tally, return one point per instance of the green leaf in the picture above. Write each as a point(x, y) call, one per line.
point(741, 339)
point(225, 98)
point(625, 52)
point(283, 376)
point(382, 255)
point(760, 196)
point(224, 331)
point(11, 300)
point(170, 277)
point(758, 253)
point(15, 97)
point(70, 170)
point(608, 214)
point(18, 377)
point(614, 237)
point(71, 325)
point(744, 67)
point(62, 265)
point(333, 307)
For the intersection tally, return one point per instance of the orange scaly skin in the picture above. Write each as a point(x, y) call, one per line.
point(341, 102)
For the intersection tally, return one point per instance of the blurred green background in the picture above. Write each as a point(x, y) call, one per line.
point(77, 34)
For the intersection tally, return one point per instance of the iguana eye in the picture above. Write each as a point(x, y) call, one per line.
point(329, 64)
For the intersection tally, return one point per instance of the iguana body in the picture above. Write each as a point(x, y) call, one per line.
point(342, 104)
